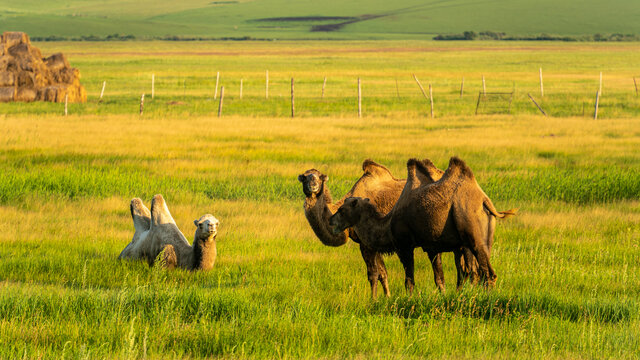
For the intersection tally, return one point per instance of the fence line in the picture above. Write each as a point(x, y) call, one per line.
point(383, 89)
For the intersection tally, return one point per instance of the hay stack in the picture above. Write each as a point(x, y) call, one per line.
point(26, 76)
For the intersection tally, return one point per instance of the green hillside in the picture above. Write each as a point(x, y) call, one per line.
point(328, 19)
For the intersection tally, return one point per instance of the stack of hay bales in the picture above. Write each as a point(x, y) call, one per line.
point(26, 76)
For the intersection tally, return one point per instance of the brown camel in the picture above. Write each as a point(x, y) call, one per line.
point(156, 233)
point(447, 215)
point(377, 184)
point(383, 189)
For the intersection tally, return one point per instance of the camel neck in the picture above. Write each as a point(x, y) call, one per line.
point(374, 230)
point(318, 210)
point(204, 253)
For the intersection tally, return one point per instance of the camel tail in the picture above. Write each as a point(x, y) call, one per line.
point(499, 214)
point(511, 212)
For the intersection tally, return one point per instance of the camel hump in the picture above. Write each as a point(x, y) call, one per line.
point(427, 167)
point(140, 214)
point(457, 173)
point(160, 212)
point(421, 173)
point(457, 164)
point(414, 170)
point(428, 164)
point(373, 168)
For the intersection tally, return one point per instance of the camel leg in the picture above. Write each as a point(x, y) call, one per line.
point(369, 257)
point(169, 257)
point(382, 277)
point(460, 269)
point(438, 274)
point(467, 266)
point(471, 267)
point(479, 249)
point(406, 258)
point(490, 232)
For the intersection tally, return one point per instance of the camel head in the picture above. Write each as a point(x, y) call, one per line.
point(312, 182)
point(207, 227)
point(348, 214)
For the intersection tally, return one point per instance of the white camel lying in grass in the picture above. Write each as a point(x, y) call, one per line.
point(156, 233)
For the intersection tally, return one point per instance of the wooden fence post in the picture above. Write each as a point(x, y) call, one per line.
point(595, 112)
point(431, 99)
point(462, 87)
point(397, 89)
point(600, 87)
point(541, 85)
point(66, 101)
point(293, 106)
point(539, 108)
point(484, 86)
point(359, 99)
point(220, 103)
point(635, 84)
point(215, 92)
point(421, 88)
point(153, 85)
point(324, 83)
point(241, 89)
point(141, 104)
point(104, 84)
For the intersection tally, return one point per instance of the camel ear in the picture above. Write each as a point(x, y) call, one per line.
point(301, 178)
point(324, 177)
point(195, 222)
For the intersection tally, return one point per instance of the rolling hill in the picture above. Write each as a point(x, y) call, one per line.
point(307, 19)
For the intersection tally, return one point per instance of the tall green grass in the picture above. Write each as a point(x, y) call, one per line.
point(567, 265)
point(77, 179)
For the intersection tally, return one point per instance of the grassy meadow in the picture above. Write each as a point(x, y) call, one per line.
point(348, 20)
point(568, 265)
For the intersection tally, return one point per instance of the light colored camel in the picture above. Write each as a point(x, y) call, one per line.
point(447, 215)
point(157, 233)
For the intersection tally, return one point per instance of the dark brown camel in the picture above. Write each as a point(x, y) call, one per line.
point(448, 215)
point(383, 190)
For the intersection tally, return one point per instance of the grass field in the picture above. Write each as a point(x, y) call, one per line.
point(281, 19)
point(567, 265)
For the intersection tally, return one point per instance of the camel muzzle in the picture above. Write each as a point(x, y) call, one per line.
point(335, 228)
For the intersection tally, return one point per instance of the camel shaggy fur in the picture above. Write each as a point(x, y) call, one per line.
point(449, 214)
point(378, 184)
point(157, 233)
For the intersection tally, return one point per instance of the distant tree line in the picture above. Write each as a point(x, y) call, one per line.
point(467, 35)
point(492, 35)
